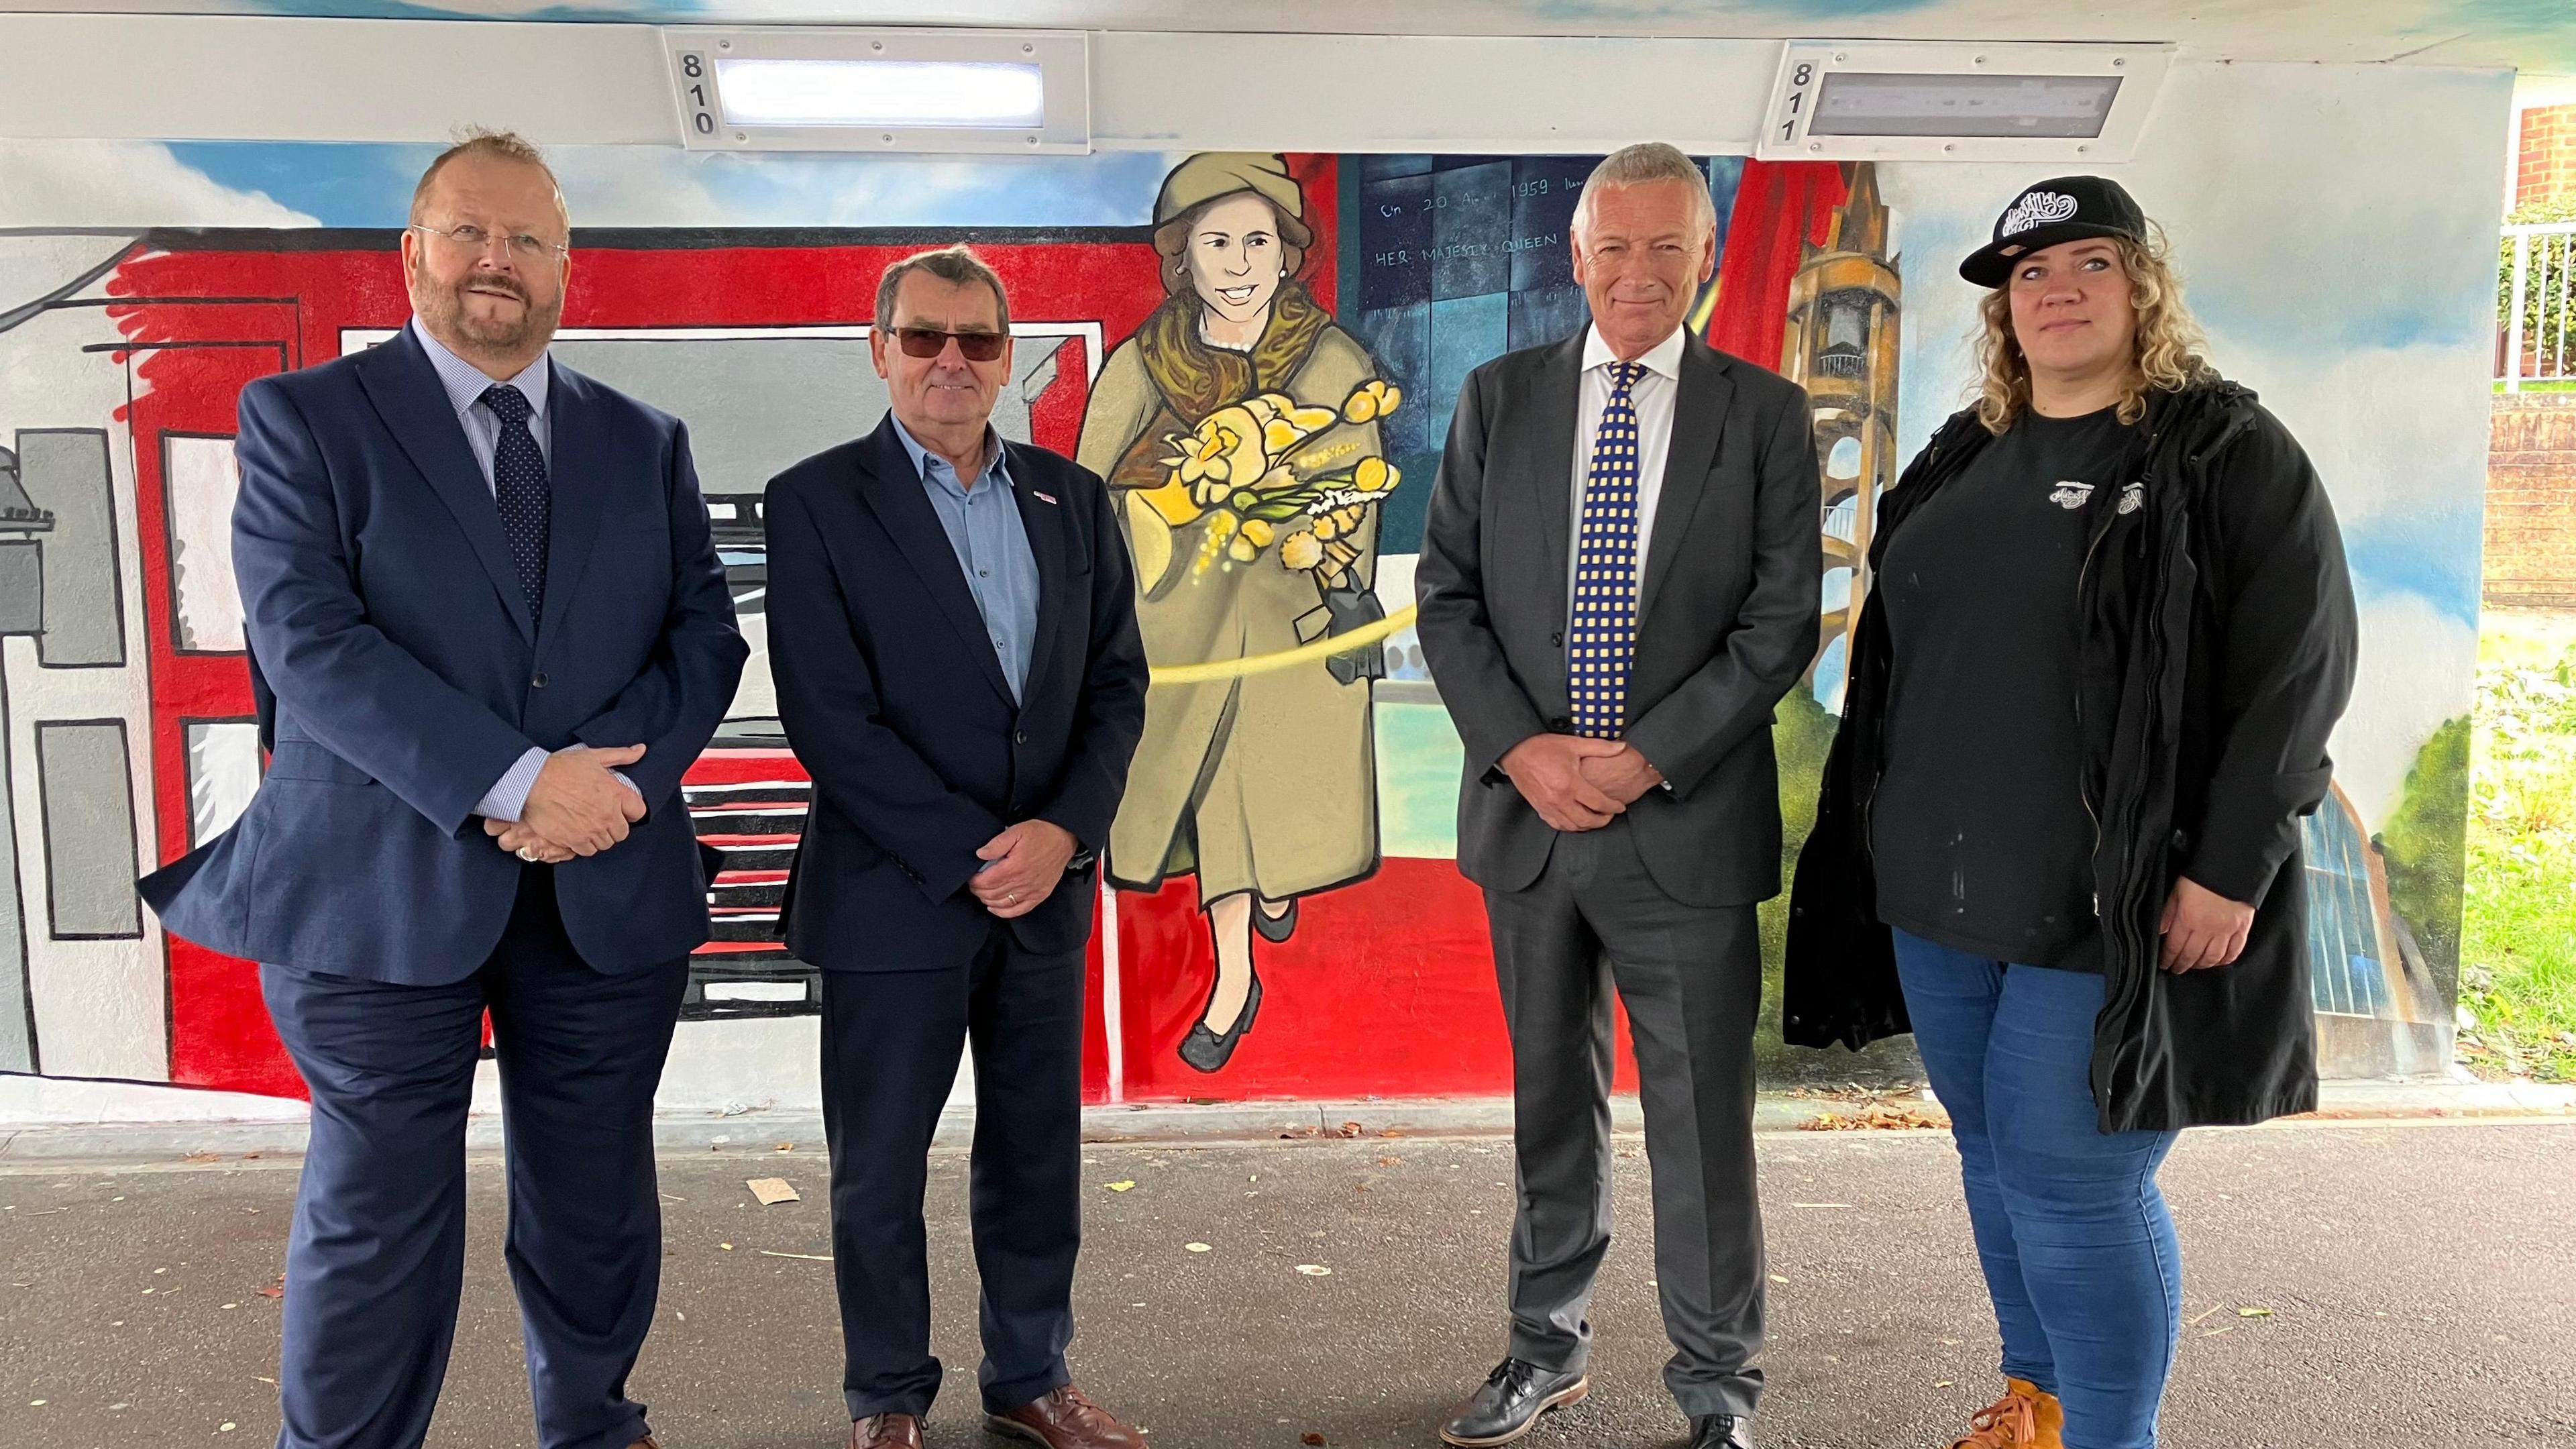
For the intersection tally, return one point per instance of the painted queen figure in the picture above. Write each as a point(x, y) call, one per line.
point(1238, 428)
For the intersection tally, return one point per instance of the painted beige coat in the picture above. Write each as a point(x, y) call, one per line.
point(1265, 781)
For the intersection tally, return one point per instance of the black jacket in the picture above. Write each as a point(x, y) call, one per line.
point(2216, 655)
point(895, 704)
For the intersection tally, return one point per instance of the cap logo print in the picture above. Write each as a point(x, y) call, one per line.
point(2036, 208)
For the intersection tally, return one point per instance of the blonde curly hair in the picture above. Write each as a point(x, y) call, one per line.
point(2165, 357)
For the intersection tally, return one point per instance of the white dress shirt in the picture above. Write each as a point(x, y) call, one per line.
point(1652, 394)
point(465, 384)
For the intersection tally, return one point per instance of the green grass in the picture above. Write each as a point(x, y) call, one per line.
point(2554, 384)
point(2518, 938)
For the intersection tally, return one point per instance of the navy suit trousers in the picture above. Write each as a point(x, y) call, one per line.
point(376, 1257)
point(891, 1041)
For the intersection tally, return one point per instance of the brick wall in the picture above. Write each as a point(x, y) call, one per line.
point(2547, 169)
point(2531, 502)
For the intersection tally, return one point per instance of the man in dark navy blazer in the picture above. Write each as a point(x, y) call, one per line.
point(490, 630)
point(953, 634)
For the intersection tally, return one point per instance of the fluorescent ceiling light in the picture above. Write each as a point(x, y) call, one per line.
point(881, 93)
point(2060, 107)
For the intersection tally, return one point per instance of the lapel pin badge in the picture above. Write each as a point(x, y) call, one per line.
point(1043, 497)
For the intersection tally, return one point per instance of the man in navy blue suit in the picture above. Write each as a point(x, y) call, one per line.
point(489, 630)
point(953, 634)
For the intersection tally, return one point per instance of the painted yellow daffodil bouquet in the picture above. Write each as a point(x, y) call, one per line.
point(1247, 470)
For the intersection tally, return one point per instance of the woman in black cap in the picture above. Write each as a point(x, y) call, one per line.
point(2108, 634)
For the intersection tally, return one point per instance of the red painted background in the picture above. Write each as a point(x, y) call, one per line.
point(1387, 987)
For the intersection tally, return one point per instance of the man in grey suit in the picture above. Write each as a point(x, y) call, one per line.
point(1618, 582)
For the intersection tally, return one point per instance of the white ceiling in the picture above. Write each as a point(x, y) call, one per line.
point(2534, 36)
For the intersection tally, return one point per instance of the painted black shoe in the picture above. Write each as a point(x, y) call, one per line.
point(1718, 1431)
point(1209, 1052)
point(1514, 1395)
point(1276, 928)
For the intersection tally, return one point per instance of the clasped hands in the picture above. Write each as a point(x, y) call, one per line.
point(576, 807)
point(1022, 867)
point(1575, 782)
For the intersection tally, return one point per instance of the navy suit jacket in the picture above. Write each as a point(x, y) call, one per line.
point(401, 676)
point(896, 703)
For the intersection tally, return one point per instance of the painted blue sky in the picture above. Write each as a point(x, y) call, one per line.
point(371, 185)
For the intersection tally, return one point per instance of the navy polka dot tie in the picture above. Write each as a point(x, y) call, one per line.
point(1604, 635)
point(519, 487)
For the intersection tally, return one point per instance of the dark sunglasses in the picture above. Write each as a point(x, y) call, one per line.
point(930, 342)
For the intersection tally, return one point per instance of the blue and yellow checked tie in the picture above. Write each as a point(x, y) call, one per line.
point(1605, 569)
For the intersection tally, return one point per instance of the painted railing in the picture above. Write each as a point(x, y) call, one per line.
point(2536, 305)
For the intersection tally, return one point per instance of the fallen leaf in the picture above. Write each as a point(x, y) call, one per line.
point(1126, 1186)
point(1390, 1162)
point(1314, 1270)
point(1311, 1438)
point(1350, 1129)
point(202, 1157)
point(1199, 1247)
point(784, 1147)
point(276, 1289)
point(2253, 1312)
point(771, 1191)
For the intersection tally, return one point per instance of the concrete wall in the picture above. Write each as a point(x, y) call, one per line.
point(143, 280)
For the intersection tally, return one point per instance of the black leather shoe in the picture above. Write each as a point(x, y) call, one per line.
point(1206, 1051)
point(1718, 1431)
point(1513, 1397)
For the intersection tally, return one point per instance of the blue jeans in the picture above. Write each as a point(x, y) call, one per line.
point(2078, 1249)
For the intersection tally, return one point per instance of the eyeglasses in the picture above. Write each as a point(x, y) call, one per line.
point(474, 240)
point(930, 342)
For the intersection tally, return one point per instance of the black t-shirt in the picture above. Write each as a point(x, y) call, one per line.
point(1979, 829)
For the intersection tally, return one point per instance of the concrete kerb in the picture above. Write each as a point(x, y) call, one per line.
point(33, 1146)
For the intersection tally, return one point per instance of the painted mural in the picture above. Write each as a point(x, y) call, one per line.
point(1259, 351)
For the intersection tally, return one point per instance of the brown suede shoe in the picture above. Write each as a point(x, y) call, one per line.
point(886, 1431)
point(1065, 1420)
point(647, 1442)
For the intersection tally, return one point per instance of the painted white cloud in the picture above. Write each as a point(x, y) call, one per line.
point(2314, 266)
point(121, 184)
point(654, 186)
point(2417, 665)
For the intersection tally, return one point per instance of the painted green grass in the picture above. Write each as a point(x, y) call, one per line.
point(2518, 938)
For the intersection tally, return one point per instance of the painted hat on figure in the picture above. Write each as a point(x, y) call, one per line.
point(1214, 174)
point(2065, 209)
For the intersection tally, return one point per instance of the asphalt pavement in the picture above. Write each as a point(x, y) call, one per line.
point(2349, 1287)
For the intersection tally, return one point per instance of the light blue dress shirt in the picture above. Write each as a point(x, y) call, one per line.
point(992, 544)
point(465, 384)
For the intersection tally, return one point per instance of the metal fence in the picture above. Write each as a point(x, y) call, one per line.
point(2536, 305)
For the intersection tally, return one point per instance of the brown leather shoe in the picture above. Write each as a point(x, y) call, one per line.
point(1065, 1420)
point(886, 1431)
point(647, 1442)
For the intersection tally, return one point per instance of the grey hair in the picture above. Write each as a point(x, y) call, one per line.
point(497, 146)
point(1649, 161)
point(956, 265)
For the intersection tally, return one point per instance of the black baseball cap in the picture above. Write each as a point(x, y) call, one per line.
point(2063, 209)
